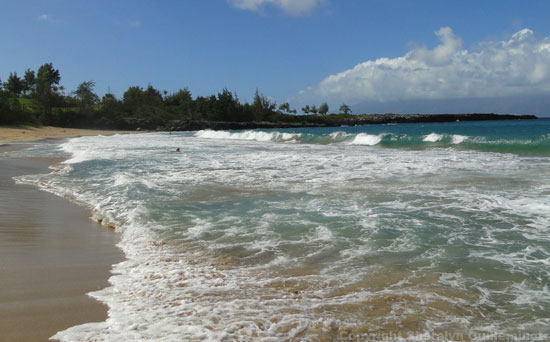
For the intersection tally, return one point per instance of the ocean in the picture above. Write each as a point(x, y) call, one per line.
point(405, 232)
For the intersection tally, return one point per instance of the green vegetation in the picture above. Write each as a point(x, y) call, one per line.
point(344, 108)
point(323, 108)
point(38, 98)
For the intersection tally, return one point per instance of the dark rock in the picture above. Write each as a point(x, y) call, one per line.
point(313, 121)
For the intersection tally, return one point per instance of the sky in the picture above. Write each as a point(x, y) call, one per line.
point(375, 55)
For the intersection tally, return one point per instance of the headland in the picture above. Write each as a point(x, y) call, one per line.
point(331, 120)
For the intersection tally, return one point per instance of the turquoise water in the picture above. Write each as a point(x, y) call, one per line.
point(430, 231)
point(521, 136)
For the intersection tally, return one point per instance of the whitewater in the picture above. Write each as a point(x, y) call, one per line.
point(410, 232)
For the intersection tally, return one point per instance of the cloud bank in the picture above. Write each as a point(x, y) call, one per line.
point(291, 7)
point(514, 67)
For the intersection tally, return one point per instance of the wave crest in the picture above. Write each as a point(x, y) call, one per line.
point(534, 145)
point(367, 139)
point(248, 135)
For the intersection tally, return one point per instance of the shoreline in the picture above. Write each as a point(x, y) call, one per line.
point(21, 134)
point(52, 255)
point(17, 134)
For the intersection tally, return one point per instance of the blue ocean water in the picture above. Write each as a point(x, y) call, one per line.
point(425, 231)
point(524, 137)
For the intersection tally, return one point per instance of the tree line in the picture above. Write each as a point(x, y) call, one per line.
point(323, 109)
point(38, 98)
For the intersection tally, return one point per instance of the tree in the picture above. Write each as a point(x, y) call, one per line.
point(14, 85)
point(263, 102)
point(29, 81)
point(263, 106)
point(344, 108)
point(48, 77)
point(323, 108)
point(306, 109)
point(108, 97)
point(180, 103)
point(47, 80)
point(285, 107)
point(11, 110)
point(109, 103)
point(7, 116)
point(227, 106)
point(146, 103)
point(131, 98)
point(183, 96)
point(111, 111)
point(85, 94)
point(152, 96)
point(314, 109)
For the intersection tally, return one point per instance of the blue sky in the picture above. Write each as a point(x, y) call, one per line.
point(302, 51)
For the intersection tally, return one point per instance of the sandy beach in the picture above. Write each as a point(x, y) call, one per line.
point(51, 253)
point(26, 133)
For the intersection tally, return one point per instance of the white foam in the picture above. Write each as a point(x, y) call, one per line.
point(122, 179)
point(432, 137)
point(247, 135)
point(324, 234)
point(322, 217)
point(367, 139)
point(458, 139)
point(339, 136)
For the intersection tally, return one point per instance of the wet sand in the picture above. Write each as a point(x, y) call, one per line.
point(51, 255)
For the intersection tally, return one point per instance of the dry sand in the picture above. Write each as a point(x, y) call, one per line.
point(25, 133)
point(51, 254)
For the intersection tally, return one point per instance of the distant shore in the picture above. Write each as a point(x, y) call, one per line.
point(332, 120)
point(26, 133)
point(133, 125)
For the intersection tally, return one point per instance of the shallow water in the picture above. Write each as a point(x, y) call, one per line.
point(350, 233)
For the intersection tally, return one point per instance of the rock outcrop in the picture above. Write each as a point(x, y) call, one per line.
point(314, 121)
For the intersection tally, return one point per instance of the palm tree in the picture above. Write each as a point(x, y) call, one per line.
point(314, 109)
point(344, 108)
point(285, 107)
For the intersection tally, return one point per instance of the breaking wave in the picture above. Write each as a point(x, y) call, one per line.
point(538, 145)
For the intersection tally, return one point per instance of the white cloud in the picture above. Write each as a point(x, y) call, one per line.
point(45, 17)
point(517, 66)
point(291, 7)
point(48, 18)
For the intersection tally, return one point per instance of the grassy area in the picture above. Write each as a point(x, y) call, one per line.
point(26, 103)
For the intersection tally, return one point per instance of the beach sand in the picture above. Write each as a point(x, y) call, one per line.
point(26, 133)
point(51, 255)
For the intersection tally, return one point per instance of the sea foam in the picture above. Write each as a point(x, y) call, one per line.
point(247, 135)
point(366, 139)
point(253, 239)
point(433, 137)
point(457, 138)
